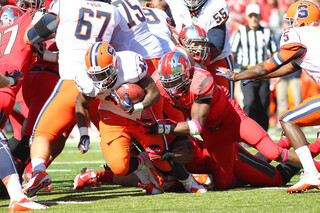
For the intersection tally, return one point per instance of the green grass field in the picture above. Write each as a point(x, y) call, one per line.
point(62, 198)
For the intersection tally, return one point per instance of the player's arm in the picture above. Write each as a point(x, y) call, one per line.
point(199, 112)
point(42, 30)
point(152, 92)
point(82, 114)
point(10, 79)
point(217, 36)
point(4, 81)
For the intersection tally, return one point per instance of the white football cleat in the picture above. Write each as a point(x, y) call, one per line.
point(152, 173)
point(192, 186)
point(25, 204)
point(307, 181)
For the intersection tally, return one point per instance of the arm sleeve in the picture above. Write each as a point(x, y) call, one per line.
point(287, 53)
point(217, 36)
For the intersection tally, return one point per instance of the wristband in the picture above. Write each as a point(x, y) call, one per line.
point(285, 155)
point(138, 107)
point(83, 131)
point(194, 127)
point(164, 129)
point(11, 81)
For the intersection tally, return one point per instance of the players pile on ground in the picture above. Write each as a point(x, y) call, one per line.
point(64, 62)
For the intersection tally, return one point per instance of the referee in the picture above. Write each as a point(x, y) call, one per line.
point(254, 44)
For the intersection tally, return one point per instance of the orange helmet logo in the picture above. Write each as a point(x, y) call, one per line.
point(303, 13)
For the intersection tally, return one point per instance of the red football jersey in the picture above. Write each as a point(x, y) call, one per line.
point(14, 53)
point(202, 86)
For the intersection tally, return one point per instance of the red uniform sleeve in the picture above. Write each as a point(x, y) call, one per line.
point(287, 53)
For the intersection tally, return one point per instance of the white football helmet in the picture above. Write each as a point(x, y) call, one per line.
point(194, 4)
point(30, 4)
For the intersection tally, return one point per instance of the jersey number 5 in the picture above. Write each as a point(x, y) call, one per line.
point(88, 25)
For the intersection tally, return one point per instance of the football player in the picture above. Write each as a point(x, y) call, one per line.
point(142, 41)
point(298, 51)
point(212, 114)
point(109, 70)
point(8, 172)
point(65, 20)
point(212, 17)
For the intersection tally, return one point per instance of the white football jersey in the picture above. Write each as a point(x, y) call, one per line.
point(82, 23)
point(213, 13)
point(158, 26)
point(131, 69)
point(309, 37)
point(142, 41)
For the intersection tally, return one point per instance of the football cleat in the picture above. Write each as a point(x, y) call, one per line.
point(87, 177)
point(307, 181)
point(146, 183)
point(25, 205)
point(192, 186)
point(151, 172)
point(38, 181)
point(202, 179)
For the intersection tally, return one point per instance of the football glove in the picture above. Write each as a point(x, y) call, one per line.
point(222, 71)
point(155, 152)
point(84, 143)
point(16, 76)
point(126, 104)
point(148, 126)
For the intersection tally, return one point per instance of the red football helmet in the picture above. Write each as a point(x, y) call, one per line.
point(8, 14)
point(194, 38)
point(174, 73)
point(303, 13)
point(101, 65)
point(30, 4)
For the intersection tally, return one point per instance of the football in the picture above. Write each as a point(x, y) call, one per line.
point(135, 92)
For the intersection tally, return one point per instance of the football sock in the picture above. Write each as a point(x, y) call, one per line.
point(305, 157)
point(12, 183)
point(179, 171)
point(38, 164)
point(105, 176)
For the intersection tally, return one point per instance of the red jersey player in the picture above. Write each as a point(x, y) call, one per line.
point(219, 119)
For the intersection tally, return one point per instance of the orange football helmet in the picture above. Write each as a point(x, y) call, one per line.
point(303, 13)
point(101, 65)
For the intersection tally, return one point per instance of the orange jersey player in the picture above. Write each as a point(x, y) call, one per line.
point(299, 50)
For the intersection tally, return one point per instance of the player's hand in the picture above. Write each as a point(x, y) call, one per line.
point(84, 143)
point(40, 49)
point(148, 126)
point(155, 152)
point(222, 71)
point(126, 104)
point(16, 76)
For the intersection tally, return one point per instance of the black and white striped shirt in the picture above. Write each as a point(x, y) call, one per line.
point(253, 46)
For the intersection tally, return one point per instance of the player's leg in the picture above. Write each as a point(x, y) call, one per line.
point(10, 178)
point(56, 117)
point(219, 152)
point(305, 114)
